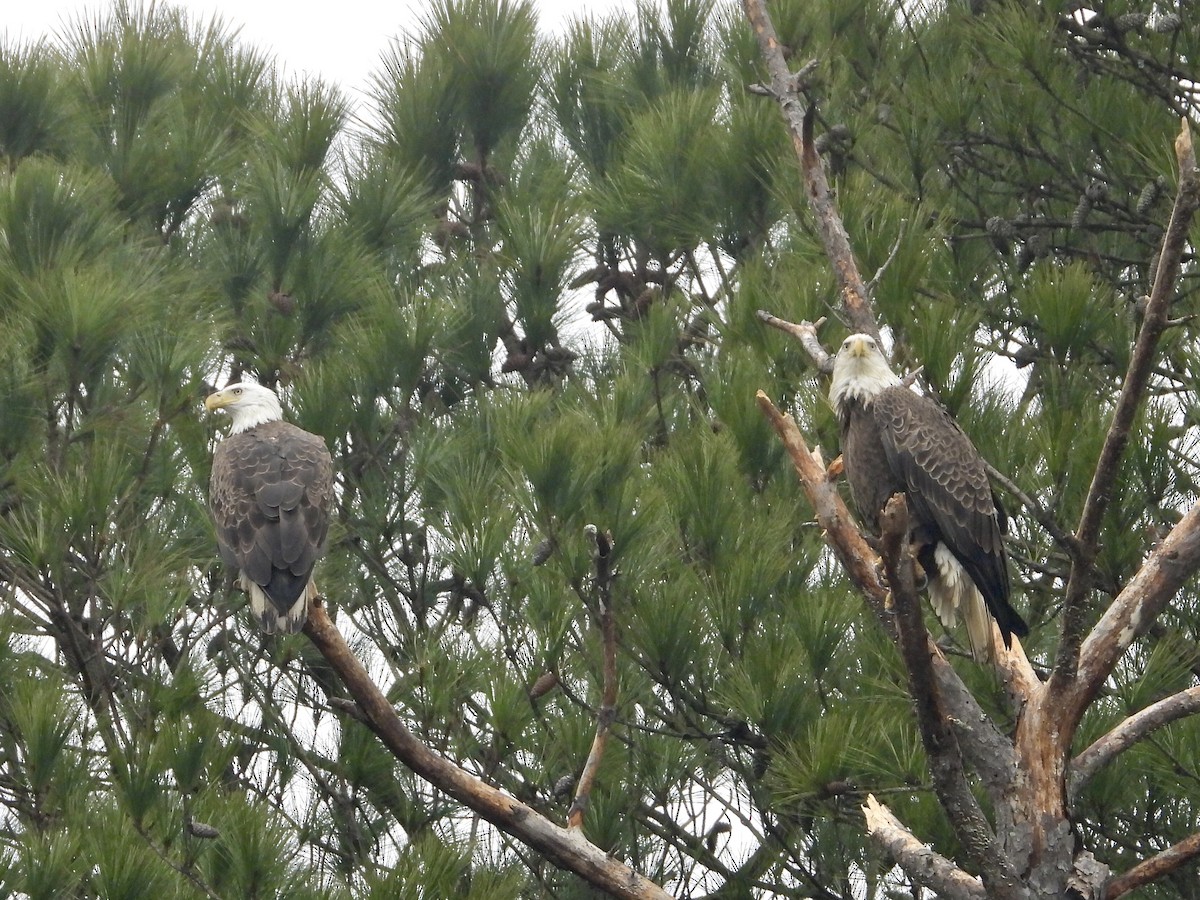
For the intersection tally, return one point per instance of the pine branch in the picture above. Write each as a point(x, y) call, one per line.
point(1133, 390)
point(1155, 867)
point(602, 548)
point(945, 758)
point(1129, 732)
point(566, 848)
point(806, 334)
point(926, 866)
point(785, 88)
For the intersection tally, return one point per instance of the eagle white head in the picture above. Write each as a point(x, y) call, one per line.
point(860, 372)
point(248, 404)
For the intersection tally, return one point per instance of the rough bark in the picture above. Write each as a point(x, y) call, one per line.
point(945, 759)
point(1153, 868)
point(1129, 732)
point(925, 865)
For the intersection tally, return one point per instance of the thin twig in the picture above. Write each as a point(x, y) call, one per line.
point(602, 551)
point(1040, 514)
point(879, 273)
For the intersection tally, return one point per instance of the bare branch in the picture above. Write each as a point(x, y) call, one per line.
point(806, 334)
point(1137, 376)
point(602, 551)
point(842, 535)
point(1129, 732)
point(566, 848)
point(945, 758)
point(1175, 558)
point(1155, 867)
point(891, 257)
point(1040, 514)
point(928, 867)
point(785, 87)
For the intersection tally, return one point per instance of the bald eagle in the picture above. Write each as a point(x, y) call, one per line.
point(270, 493)
point(897, 441)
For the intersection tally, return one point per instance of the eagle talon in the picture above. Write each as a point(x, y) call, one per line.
point(835, 470)
point(920, 576)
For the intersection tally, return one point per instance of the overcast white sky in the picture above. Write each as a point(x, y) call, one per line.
point(342, 41)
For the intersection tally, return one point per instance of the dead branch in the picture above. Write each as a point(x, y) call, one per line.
point(1141, 362)
point(602, 548)
point(785, 87)
point(945, 758)
point(1172, 561)
point(1040, 514)
point(1129, 732)
point(842, 535)
point(1155, 867)
point(927, 866)
point(806, 334)
point(566, 848)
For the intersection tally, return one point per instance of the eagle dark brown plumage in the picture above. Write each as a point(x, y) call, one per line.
point(897, 441)
point(270, 495)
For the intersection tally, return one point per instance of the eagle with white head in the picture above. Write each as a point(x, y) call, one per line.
point(895, 441)
point(270, 495)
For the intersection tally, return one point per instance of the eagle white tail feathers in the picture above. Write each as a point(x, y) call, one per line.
point(270, 618)
point(953, 591)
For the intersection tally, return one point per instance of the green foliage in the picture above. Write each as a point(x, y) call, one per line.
point(32, 115)
point(517, 296)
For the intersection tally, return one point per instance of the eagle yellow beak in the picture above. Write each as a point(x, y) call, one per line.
point(858, 346)
point(219, 400)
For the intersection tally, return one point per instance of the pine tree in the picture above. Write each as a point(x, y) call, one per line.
point(518, 297)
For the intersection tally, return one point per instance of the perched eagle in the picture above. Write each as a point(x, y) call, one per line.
point(896, 441)
point(271, 488)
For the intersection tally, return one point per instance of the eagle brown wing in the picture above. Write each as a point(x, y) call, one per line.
point(948, 492)
point(270, 495)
